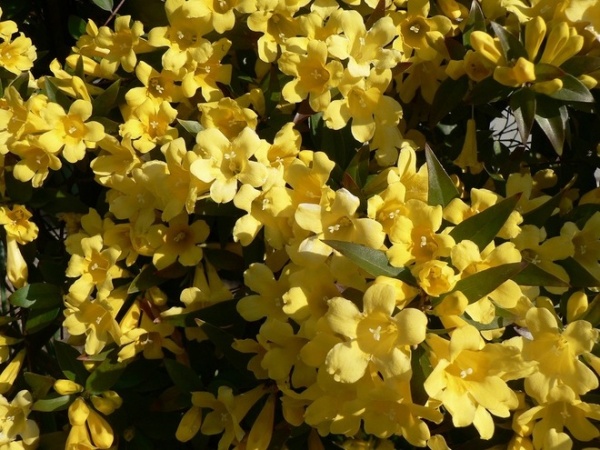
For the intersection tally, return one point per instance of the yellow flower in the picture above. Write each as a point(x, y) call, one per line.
point(17, 55)
point(7, 28)
point(313, 76)
point(70, 131)
point(224, 163)
point(36, 161)
point(148, 125)
point(275, 21)
point(114, 158)
point(221, 13)
point(178, 242)
point(158, 86)
point(17, 431)
point(374, 336)
point(586, 243)
point(467, 160)
point(562, 43)
point(228, 115)
point(523, 71)
point(206, 71)
point(17, 225)
point(435, 277)
point(16, 267)
point(88, 427)
point(557, 353)
point(469, 378)
point(19, 118)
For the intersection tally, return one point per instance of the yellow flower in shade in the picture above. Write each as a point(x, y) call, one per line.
point(469, 378)
point(36, 161)
point(95, 268)
point(19, 118)
point(17, 55)
point(16, 430)
point(376, 336)
point(115, 157)
point(178, 242)
point(549, 421)
point(313, 76)
point(586, 242)
point(88, 427)
point(275, 21)
point(16, 267)
point(467, 160)
point(226, 162)
point(206, 71)
point(148, 125)
point(142, 331)
point(11, 371)
point(557, 353)
point(228, 115)
point(17, 225)
point(94, 319)
point(267, 302)
point(121, 46)
point(7, 28)
point(227, 412)
point(307, 175)
point(158, 86)
point(423, 75)
point(70, 130)
point(132, 197)
point(414, 180)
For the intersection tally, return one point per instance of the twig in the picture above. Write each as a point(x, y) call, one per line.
point(114, 12)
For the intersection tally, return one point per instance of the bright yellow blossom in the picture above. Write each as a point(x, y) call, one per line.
point(17, 225)
point(16, 429)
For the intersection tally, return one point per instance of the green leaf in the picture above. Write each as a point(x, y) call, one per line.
point(21, 84)
point(448, 96)
point(183, 376)
point(547, 72)
point(147, 278)
point(480, 284)
point(110, 126)
point(105, 376)
point(421, 369)
point(573, 90)
point(579, 65)
point(76, 26)
point(475, 22)
point(489, 91)
point(441, 187)
point(511, 46)
point(71, 367)
point(55, 95)
point(356, 173)
point(554, 126)
point(191, 126)
point(39, 384)
point(40, 317)
point(522, 105)
point(40, 294)
point(107, 100)
point(482, 228)
point(106, 5)
point(372, 261)
point(224, 341)
point(53, 403)
point(533, 275)
point(579, 277)
point(497, 322)
point(542, 213)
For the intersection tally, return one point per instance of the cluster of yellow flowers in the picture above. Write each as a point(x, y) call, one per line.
point(380, 296)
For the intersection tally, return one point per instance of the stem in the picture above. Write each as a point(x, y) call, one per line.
point(114, 12)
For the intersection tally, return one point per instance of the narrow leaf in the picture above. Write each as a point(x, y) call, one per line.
point(533, 275)
point(554, 127)
point(475, 22)
point(448, 96)
point(511, 46)
point(191, 126)
point(482, 283)
point(579, 277)
point(482, 228)
point(542, 213)
point(42, 294)
point(523, 104)
point(372, 261)
point(106, 5)
point(579, 65)
point(54, 403)
point(183, 376)
point(147, 278)
point(40, 317)
point(441, 187)
point(107, 100)
point(71, 367)
point(104, 376)
point(223, 341)
point(573, 90)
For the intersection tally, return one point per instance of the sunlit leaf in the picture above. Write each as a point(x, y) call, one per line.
point(441, 188)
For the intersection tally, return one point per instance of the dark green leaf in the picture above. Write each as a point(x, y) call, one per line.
point(106, 5)
point(421, 369)
point(573, 90)
point(480, 284)
point(71, 367)
point(579, 65)
point(441, 187)
point(17, 191)
point(579, 277)
point(104, 376)
point(40, 317)
point(497, 322)
point(40, 294)
point(482, 228)
point(107, 100)
point(533, 275)
point(372, 261)
point(489, 91)
point(355, 176)
point(224, 341)
point(21, 84)
point(475, 22)
point(448, 96)
point(110, 126)
point(511, 46)
point(55, 95)
point(53, 403)
point(56, 201)
point(39, 384)
point(542, 213)
point(183, 376)
point(592, 315)
point(76, 26)
point(522, 104)
point(147, 278)
point(547, 72)
point(554, 126)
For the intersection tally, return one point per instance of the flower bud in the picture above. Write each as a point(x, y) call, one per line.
point(67, 387)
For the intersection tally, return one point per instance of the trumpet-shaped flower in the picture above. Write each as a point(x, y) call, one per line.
point(14, 423)
point(17, 225)
point(376, 335)
point(206, 70)
point(557, 353)
point(157, 86)
point(148, 125)
point(17, 55)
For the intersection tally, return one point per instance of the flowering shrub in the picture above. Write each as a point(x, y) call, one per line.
point(304, 225)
